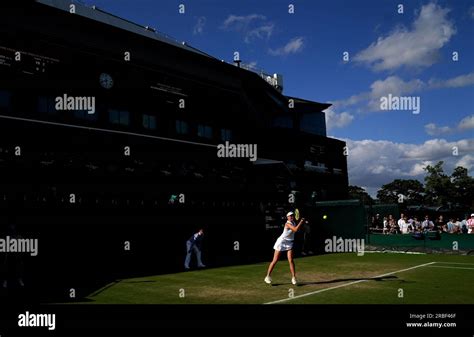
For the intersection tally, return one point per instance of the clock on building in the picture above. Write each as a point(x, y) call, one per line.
point(106, 81)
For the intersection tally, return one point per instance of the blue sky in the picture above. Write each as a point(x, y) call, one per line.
point(403, 54)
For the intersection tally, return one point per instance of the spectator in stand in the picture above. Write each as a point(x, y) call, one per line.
point(386, 226)
point(378, 222)
point(464, 229)
point(427, 225)
point(449, 228)
point(394, 228)
point(411, 225)
point(416, 224)
point(439, 224)
point(376, 225)
point(403, 224)
point(399, 222)
point(464, 224)
point(470, 224)
point(457, 226)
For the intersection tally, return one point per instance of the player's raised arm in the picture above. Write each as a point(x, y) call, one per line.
point(295, 228)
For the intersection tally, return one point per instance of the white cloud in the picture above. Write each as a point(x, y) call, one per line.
point(337, 120)
point(433, 130)
point(398, 87)
point(466, 161)
point(261, 32)
point(236, 22)
point(391, 85)
point(295, 45)
point(437, 149)
point(373, 163)
point(252, 64)
point(467, 123)
point(415, 47)
point(395, 85)
point(455, 82)
point(199, 27)
point(418, 168)
point(252, 26)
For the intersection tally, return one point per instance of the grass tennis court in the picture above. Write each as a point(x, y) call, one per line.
point(375, 278)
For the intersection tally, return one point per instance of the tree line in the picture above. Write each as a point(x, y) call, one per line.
point(439, 189)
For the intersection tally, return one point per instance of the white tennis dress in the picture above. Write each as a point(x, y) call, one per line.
point(285, 241)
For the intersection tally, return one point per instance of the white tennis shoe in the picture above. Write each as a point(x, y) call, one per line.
point(294, 281)
point(268, 280)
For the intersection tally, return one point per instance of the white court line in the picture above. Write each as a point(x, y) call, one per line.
point(347, 284)
point(393, 252)
point(470, 264)
point(451, 267)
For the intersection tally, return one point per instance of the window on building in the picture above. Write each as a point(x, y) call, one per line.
point(5, 98)
point(226, 135)
point(277, 100)
point(149, 122)
point(204, 131)
point(85, 115)
point(283, 122)
point(119, 117)
point(317, 149)
point(46, 104)
point(314, 123)
point(181, 127)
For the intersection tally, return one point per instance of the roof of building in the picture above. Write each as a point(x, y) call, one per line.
point(314, 105)
point(100, 15)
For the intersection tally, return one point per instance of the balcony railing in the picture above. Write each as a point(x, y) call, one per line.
point(274, 80)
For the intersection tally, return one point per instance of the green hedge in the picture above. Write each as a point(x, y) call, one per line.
point(464, 241)
point(346, 219)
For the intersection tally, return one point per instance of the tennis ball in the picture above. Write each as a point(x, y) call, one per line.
point(325, 216)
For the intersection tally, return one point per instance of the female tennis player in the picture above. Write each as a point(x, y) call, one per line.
point(285, 243)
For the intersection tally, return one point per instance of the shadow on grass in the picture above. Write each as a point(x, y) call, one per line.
point(115, 283)
point(302, 284)
point(80, 300)
point(104, 288)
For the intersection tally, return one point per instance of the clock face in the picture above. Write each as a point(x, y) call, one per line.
point(106, 81)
